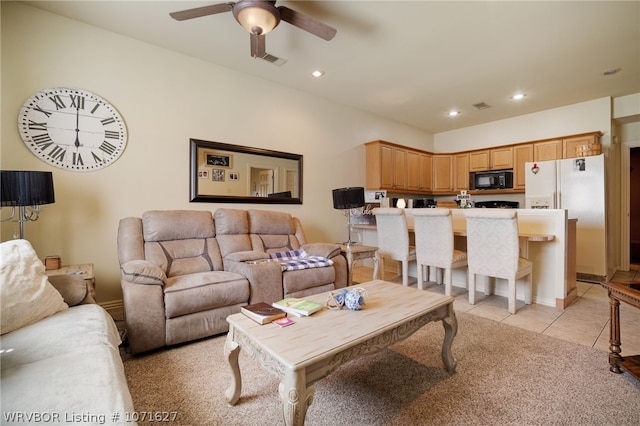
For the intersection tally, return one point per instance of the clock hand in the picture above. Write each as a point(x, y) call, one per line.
point(77, 142)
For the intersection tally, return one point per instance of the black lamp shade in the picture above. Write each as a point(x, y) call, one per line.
point(26, 188)
point(348, 198)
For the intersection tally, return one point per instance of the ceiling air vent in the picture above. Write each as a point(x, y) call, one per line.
point(274, 59)
point(482, 105)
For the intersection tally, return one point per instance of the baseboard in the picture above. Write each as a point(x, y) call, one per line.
point(591, 278)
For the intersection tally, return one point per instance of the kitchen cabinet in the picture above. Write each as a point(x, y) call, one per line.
point(569, 144)
point(479, 161)
point(386, 166)
point(403, 169)
point(442, 173)
point(426, 171)
point(547, 150)
point(491, 159)
point(461, 172)
point(413, 170)
point(502, 158)
point(521, 155)
point(399, 168)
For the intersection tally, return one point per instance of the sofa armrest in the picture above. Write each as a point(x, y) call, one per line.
point(246, 256)
point(143, 272)
point(73, 288)
point(264, 276)
point(327, 250)
point(144, 316)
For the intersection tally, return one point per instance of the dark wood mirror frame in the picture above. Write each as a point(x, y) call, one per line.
point(224, 162)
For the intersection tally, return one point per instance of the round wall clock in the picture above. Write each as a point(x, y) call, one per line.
point(72, 129)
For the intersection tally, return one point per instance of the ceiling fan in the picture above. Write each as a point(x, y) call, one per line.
point(259, 17)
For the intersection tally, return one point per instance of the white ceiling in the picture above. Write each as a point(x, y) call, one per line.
point(411, 61)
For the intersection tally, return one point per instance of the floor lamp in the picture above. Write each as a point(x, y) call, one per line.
point(26, 190)
point(347, 199)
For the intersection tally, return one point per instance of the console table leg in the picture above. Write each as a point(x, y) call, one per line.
point(296, 397)
point(231, 352)
point(614, 335)
point(450, 323)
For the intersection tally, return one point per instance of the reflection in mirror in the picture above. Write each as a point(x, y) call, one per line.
point(225, 173)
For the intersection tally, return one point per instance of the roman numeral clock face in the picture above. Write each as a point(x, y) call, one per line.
point(72, 129)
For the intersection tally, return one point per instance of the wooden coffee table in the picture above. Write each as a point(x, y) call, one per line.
point(313, 347)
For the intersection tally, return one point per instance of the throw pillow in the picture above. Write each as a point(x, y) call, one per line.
point(26, 296)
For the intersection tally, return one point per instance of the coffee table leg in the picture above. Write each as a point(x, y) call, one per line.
point(231, 352)
point(296, 397)
point(450, 323)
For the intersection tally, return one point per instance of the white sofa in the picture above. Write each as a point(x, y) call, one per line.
point(63, 366)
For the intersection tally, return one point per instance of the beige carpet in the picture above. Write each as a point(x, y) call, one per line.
point(505, 376)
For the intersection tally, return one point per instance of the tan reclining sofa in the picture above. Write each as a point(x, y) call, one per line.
point(184, 271)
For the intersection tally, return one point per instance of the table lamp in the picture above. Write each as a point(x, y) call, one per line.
point(347, 199)
point(28, 191)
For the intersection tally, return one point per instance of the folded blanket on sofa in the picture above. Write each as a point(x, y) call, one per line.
point(299, 259)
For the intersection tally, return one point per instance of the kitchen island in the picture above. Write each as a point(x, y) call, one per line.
point(547, 239)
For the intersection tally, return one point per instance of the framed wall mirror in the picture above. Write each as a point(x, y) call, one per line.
point(225, 173)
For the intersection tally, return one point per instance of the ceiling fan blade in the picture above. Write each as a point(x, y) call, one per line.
point(258, 48)
point(201, 11)
point(306, 23)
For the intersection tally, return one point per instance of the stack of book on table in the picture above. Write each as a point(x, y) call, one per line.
point(262, 312)
point(298, 307)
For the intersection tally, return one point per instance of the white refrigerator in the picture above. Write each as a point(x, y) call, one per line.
point(577, 185)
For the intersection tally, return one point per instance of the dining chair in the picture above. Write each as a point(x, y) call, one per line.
point(493, 250)
point(393, 239)
point(433, 230)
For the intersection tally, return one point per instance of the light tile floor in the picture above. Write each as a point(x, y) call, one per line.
point(585, 322)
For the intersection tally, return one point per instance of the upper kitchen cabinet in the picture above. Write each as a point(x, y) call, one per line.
point(413, 170)
point(386, 166)
point(425, 171)
point(547, 150)
point(569, 145)
point(521, 155)
point(502, 158)
point(442, 173)
point(491, 159)
point(461, 172)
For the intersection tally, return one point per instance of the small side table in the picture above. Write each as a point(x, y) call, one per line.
point(85, 270)
point(628, 292)
point(355, 252)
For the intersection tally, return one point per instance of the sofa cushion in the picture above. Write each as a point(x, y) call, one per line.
point(26, 296)
point(164, 225)
point(181, 257)
point(232, 230)
point(66, 363)
point(187, 294)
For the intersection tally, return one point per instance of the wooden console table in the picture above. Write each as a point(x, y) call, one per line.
point(628, 292)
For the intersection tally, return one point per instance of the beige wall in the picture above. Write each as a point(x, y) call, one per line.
point(165, 99)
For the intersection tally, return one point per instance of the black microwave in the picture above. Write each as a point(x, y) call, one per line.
point(502, 179)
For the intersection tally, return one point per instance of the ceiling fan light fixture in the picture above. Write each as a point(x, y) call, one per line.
point(257, 17)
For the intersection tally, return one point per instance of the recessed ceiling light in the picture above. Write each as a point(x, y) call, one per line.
point(317, 73)
point(612, 71)
point(453, 113)
point(518, 96)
